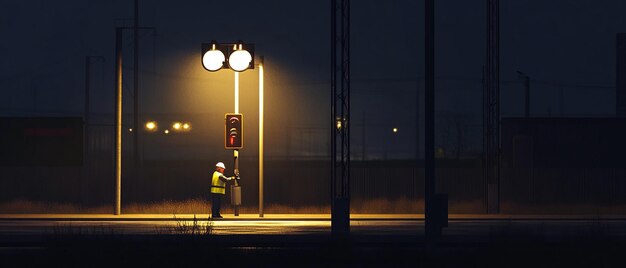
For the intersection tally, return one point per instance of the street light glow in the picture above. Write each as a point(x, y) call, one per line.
point(213, 59)
point(166, 131)
point(261, 89)
point(395, 130)
point(239, 60)
point(151, 126)
point(181, 126)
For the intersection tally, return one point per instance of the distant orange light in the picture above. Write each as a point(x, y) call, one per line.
point(151, 126)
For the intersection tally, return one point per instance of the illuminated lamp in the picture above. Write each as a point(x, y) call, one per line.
point(151, 126)
point(240, 59)
point(213, 59)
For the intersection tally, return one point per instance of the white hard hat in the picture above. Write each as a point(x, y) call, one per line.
point(220, 165)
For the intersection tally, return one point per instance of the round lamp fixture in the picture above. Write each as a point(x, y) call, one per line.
point(239, 60)
point(213, 59)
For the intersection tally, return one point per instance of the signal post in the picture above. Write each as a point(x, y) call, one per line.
point(233, 133)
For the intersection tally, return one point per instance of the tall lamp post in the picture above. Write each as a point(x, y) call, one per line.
point(240, 58)
point(118, 121)
point(261, 109)
point(117, 210)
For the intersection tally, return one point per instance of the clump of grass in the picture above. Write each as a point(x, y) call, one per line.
point(195, 227)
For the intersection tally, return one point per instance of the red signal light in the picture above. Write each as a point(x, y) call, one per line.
point(233, 131)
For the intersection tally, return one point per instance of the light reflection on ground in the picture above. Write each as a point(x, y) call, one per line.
point(461, 228)
point(221, 227)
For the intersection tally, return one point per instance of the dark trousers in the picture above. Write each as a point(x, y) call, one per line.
point(216, 203)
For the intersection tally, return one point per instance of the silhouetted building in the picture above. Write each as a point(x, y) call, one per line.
point(41, 141)
point(563, 142)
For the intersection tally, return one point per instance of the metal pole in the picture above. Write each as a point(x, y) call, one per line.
point(527, 96)
point(85, 170)
point(429, 115)
point(345, 113)
point(492, 106)
point(417, 119)
point(236, 92)
point(261, 89)
point(136, 87)
point(363, 146)
point(118, 121)
point(333, 112)
point(496, 70)
point(235, 206)
point(340, 135)
point(236, 152)
point(87, 85)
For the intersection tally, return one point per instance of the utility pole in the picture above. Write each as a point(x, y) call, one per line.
point(491, 106)
point(363, 146)
point(341, 124)
point(118, 115)
point(86, 111)
point(136, 131)
point(85, 180)
point(118, 121)
point(436, 205)
point(429, 124)
point(417, 119)
point(526, 81)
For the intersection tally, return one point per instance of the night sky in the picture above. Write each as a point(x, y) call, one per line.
point(566, 47)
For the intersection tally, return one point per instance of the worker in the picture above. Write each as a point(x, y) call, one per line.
point(218, 189)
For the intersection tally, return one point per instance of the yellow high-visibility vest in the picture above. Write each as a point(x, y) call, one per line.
point(217, 185)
